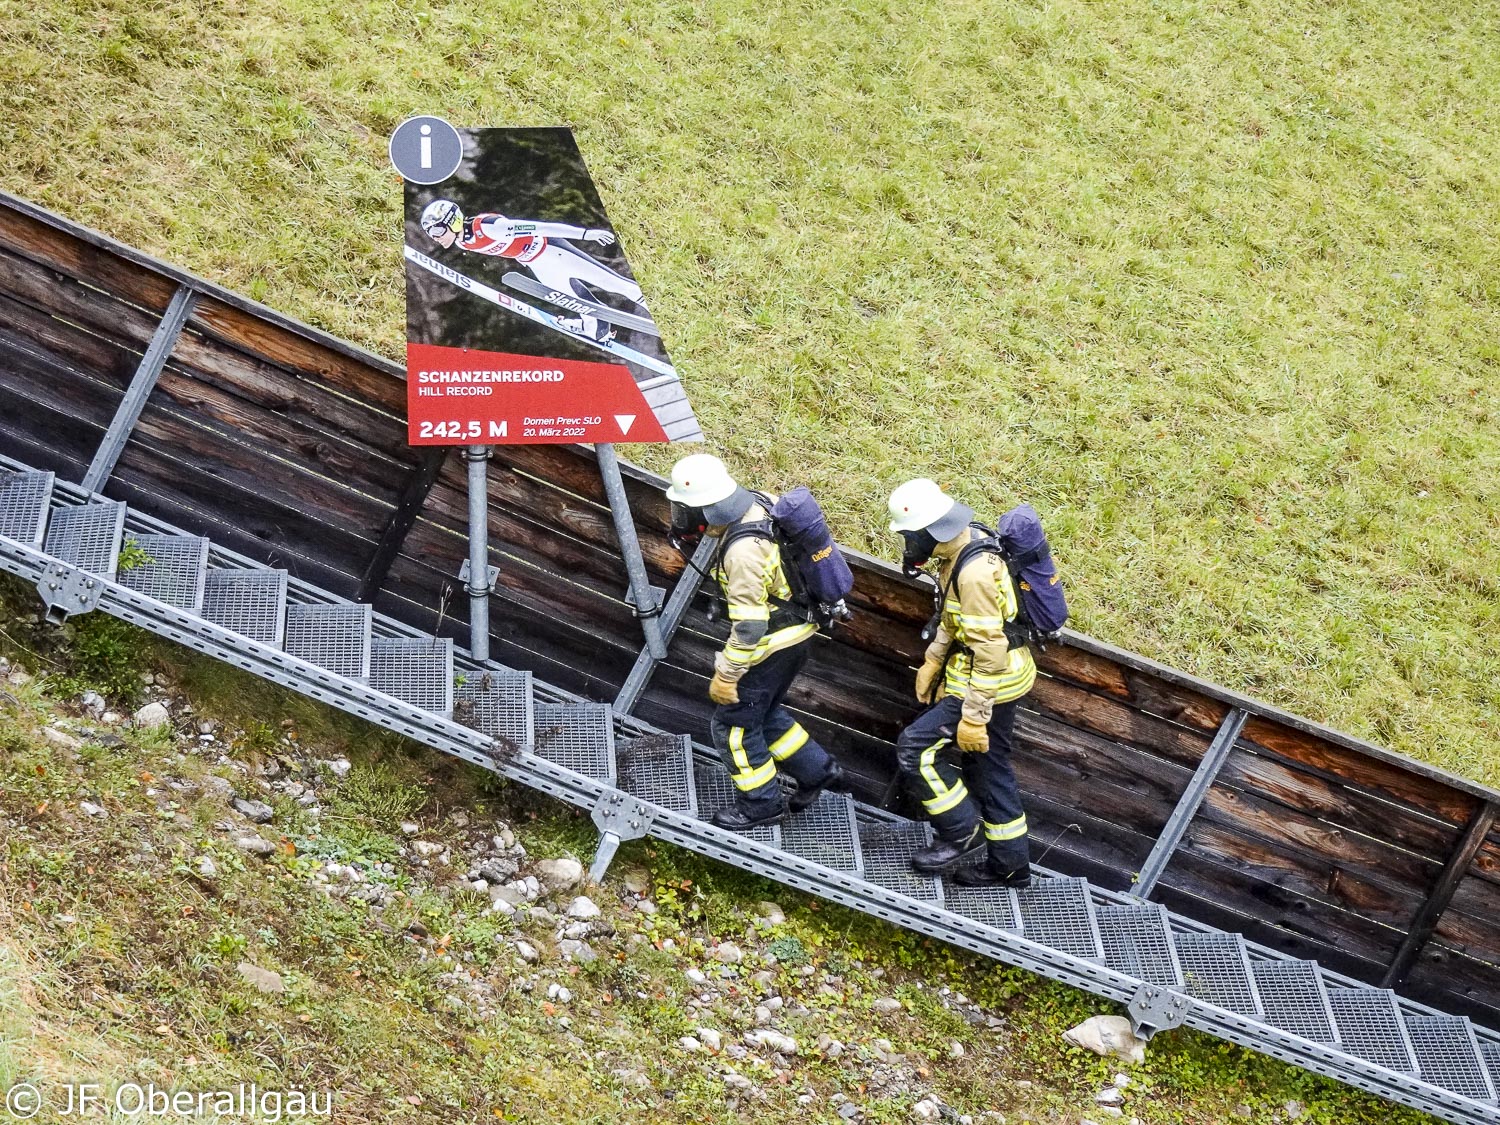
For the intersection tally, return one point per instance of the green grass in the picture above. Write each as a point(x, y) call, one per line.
point(1214, 284)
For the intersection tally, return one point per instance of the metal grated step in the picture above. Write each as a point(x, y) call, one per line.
point(887, 849)
point(1216, 969)
point(825, 833)
point(994, 906)
point(497, 703)
point(251, 603)
point(1138, 942)
point(1370, 1026)
point(418, 670)
point(173, 572)
point(659, 768)
point(88, 536)
point(1490, 1052)
point(1448, 1055)
point(335, 637)
point(1057, 912)
point(1294, 999)
point(577, 736)
point(23, 506)
point(716, 791)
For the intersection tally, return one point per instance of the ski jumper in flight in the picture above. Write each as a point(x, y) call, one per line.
point(542, 248)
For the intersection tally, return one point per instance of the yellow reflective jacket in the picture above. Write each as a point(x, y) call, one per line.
point(750, 573)
point(982, 668)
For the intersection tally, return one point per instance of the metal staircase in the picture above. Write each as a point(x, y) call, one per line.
point(637, 780)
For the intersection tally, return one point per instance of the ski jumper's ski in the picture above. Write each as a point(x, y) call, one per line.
point(576, 304)
point(535, 315)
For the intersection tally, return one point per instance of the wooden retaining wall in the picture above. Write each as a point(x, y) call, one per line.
point(289, 446)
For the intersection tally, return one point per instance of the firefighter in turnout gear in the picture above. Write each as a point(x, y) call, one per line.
point(956, 755)
point(754, 733)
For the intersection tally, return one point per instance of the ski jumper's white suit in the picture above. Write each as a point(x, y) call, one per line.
point(555, 264)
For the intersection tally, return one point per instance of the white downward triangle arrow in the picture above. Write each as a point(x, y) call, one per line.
point(626, 421)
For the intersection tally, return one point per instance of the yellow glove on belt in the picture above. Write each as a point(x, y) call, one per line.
point(723, 691)
point(973, 737)
point(930, 679)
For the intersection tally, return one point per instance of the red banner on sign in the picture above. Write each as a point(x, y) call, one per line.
point(462, 396)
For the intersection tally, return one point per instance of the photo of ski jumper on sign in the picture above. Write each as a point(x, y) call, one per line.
point(524, 321)
point(544, 249)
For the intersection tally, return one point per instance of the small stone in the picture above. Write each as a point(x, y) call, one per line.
point(636, 880)
point(688, 1043)
point(339, 767)
point(559, 875)
point(498, 870)
point(1121, 1081)
point(762, 1014)
point(255, 845)
point(736, 1081)
point(91, 809)
point(579, 951)
point(710, 1038)
point(772, 913)
point(257, 812)
point(696, 976)
point(152, 715)
point(512, 894)
point(528, 952)
point(927, 1110)
point(458, 818)
point(1110, 1095)
point(1108, 1035)
point(559, 993)
point(110, 717)
point(427, 848)
point(207, 868)
point(1243, 1111)
point(583, 908)
point(646, 906)
point(410, 828)
point(765, 1037)
point(955, 1050)
point(887, 1004)
point(263, 980)
point(848, 1111)
point(1294, 1110)
point(729, 954)
point(60, 738)
point(829, 1047)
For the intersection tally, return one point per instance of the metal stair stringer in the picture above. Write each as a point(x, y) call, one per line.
point(920, 915)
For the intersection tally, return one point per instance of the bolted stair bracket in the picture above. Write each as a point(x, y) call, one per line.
point(1154, 1009)
point(619, 817)
point(66, 590)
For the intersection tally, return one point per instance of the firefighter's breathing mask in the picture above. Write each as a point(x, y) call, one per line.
point(916, 551)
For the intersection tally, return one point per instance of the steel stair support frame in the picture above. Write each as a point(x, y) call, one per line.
point(477, 458)
point(1189, 803)
point(142, 383)
point(698, 836)
point(646, 607)
point(682, 595)
point(1422, 927)
point(408, 508)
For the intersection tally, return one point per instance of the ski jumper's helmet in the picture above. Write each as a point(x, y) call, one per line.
point(440, 216)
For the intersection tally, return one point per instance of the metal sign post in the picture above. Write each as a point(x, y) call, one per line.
point(479, 551)
point(646, 606)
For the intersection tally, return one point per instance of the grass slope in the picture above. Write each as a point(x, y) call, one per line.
point(1212, 282)
point(122, 938)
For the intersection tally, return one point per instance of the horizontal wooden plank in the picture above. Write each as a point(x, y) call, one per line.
point(1254, 770)
point(1074, 842)
point(1388, 780)
point(308, 358)
point(309, 403)
point(41, 448)
point(1451, 982)
point(1471, 924)
point(56, 294)
point(63, 352)
point(1223, 895)
point(85, 260)
point(1112, 719)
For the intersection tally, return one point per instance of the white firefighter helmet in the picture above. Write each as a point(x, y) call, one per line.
point(440, 216)
point(917, 504)
point(700, 481)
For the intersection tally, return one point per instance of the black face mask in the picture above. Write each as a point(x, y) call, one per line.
point(916, 550)
point(688, 526)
